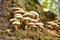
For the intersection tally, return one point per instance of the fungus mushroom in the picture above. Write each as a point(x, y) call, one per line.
point(53, 23)
point(16, 8)
point(34, 20)
point(17, 15)
point(19, 12)
point(57, 21)
point(12, 20)
point(16, 24)
point(26, 21)
point(20, 18)
point(39, 25)
point(50, 26)
point(31, 24)
point(35, 13)
point(29, 15)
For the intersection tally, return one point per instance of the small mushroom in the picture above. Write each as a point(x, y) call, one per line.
point(19, 12)
point(35, 13)
point(26, 21)
point(40, 25)
point(27, 14)
point(50, 26)
point(20, 18)
point(12, 20)
point(57, 21)
point(16, 8)
point(17, 15)
point(34, 20)
point(16, 24)
point(31, 24)
point(53, 23)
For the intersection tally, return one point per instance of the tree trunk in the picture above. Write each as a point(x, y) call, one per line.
point(3, 13)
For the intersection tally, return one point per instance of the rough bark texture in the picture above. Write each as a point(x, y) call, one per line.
point(3, 13)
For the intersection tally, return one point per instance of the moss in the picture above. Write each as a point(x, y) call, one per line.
point(30, 5)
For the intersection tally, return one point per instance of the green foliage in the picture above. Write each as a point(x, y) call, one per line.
point(49, 4)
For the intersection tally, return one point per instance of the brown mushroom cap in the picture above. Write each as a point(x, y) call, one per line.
point(16, 22)
point(52, 23)
point(19, 12)
point(12, 20)
point(35, 13)
point(39, 23)
point(19, 17)
point(34, 26)
point(26, 18)
point(33, 20)
point(16, 8)
point(31, 23)
point(29, 15)
point(50, 26)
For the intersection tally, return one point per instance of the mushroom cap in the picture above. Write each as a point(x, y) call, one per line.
point(26, 18)
point(8, 30)
point(19, 12)
point(50, 26)
point(34, 20)
point(35, 13)
point(58, 23)
point(31, 23)
point(42, 26)
point(13, 19)
point(19, 17)
point(39, 23)
point(34, 26)
point(29, 15)
point(16, 8)
point(38, 18)
point(52, 23)
point(16, 22)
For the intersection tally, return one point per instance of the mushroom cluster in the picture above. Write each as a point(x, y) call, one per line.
point(18, 17)
point(30, 19)
point(53, 24)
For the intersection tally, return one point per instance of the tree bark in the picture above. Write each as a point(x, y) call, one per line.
point(3, 13)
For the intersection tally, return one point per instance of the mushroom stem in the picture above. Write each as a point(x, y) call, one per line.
point(16, 27)
point(40, 28)
point(19, 20)
point(29, 27)
point(26, 24)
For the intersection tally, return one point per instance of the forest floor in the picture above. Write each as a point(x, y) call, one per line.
point(29, 35)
